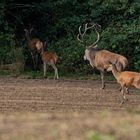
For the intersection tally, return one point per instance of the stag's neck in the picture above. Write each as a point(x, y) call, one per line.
point(115, 72)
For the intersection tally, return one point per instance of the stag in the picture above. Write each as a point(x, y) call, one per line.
point(100, 59)
point(31, 43)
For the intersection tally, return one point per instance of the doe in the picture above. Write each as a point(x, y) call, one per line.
point(48, 58)
point(126, 79)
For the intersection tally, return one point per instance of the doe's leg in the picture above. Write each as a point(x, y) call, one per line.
point(123, 93)
point(127, 90)
point(56, 71)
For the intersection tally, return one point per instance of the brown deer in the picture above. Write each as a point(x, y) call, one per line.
point(48, 58)
point(100, 59)
point(31, 44)
point(126, 79)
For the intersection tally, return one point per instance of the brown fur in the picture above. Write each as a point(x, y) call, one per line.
point(32, 44)
point(126, 79)
point(101, 59)
point(49, 57)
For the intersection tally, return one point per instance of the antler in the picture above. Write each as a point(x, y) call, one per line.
point(85, 30)
point(31, 29)
point(98, 35)
point(80, 33)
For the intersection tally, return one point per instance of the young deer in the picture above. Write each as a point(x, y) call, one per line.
point(100, 59)
point(126, 79)
point(31, 43)
point(48, 58)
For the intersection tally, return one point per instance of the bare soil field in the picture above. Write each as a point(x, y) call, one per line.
point(66, 109)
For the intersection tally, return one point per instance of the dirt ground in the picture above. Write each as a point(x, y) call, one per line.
point(66, 109)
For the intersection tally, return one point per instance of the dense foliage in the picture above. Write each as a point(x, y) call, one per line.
point(58, 22)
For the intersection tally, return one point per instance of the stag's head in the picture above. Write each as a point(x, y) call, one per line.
point(39, 46)
point(80, 37)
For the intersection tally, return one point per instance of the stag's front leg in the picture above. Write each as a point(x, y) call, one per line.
point(102, 79)
point(33, 59)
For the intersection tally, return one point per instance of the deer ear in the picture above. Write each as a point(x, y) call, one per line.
point(109, 67)
point(119, 66)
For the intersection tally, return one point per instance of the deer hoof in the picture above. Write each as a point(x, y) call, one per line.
point(44, 77)
point(103, 87)
point(122, 102)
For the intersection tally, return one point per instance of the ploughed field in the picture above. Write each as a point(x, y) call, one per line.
point(69, 109)
point(67, 95)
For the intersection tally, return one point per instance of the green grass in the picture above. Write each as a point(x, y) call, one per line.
point(50, 74)
point(3, 73)
point(100, 136)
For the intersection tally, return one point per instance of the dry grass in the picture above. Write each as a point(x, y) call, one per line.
point(70, 126)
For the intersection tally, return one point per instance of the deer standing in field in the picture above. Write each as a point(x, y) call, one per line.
point(31, 43)
point(48, 58)
point(126, 79)
point(100, 59)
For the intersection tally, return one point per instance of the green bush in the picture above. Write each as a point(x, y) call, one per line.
point(7, 46)
point(59, 22)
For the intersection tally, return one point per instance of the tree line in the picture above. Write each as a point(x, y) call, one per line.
point(57, 22)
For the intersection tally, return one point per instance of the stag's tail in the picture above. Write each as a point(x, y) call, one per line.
point(121, 63)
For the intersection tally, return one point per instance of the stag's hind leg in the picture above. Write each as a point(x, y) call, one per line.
point(45, 68)
point(102, 79)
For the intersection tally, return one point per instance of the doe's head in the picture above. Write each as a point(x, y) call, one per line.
point(111, 66)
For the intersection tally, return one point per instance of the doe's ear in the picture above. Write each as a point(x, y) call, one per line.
point(119, 66)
